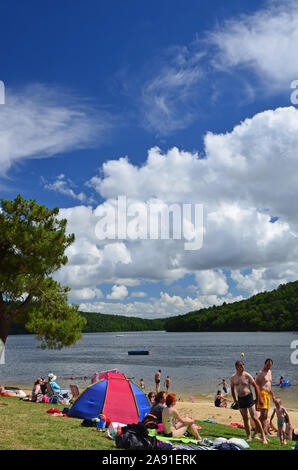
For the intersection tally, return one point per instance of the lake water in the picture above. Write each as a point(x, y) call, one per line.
point(196, 362)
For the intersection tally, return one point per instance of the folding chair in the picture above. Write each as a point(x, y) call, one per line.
point(50, 391)
point(74, 391)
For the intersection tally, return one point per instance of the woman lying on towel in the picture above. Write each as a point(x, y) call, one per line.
point(10, 393)
point(173, 424)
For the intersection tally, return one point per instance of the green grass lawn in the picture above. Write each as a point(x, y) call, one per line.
point(28, 426)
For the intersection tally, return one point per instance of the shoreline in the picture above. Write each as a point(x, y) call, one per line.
point(202, 408)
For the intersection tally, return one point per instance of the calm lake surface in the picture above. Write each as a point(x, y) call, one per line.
point(196, 362)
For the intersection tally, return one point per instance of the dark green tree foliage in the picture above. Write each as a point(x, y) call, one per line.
point(268, 311)
point(99, 322)
point(32, 246)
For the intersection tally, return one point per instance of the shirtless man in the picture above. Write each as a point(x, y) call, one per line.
point(264, 380)
point(167, 383)
point(242, 382)
point(157, 381)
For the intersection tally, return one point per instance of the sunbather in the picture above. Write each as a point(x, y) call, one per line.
point(219, 400)
point(36, 391)
point(173, 424)
point(158, 405)
point(10, 393)
point(56, 388)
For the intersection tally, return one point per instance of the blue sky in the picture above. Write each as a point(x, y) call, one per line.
point(169, 102)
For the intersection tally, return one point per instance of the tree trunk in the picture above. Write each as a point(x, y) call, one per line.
point(5, 320)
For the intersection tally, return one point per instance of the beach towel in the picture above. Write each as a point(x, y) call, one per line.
point(241, 443)
point(193, 447)
point(236, 425)
point(209, 421)
point(228, 446)
point(53, 410)
point(160, 437)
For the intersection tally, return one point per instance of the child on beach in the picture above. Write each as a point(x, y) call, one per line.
point(282, 419)
point(142, 384)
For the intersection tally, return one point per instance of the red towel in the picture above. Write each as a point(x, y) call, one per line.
point(236, 425)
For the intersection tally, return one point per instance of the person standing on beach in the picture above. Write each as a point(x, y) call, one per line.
point(282, 419)
point(167, 383)
point(264, 382)
point(157, 381)
point(224, 385)
point(242, 382)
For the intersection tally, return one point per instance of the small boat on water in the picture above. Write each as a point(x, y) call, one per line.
point(139, 352)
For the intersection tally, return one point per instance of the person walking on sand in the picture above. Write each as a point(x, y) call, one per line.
point(167, 383)
point(242, 382)
point(264, 382)
point(173, 424)
point(157, 381)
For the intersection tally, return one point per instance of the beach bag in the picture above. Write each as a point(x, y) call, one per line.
point(150, 421)
point(135, 437)
point(133, 441)
point(89, 423)
point(235, 406)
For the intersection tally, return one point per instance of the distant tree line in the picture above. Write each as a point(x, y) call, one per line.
point(267, 311)
point(99, 322)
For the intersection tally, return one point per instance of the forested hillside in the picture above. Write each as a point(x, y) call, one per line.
point(267, 311)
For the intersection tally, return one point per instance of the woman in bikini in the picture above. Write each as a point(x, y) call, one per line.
point(173, 424)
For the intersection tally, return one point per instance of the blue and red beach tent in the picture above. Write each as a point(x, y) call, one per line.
point(115, 396)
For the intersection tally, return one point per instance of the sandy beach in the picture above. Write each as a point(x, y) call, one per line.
point(202, 409)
